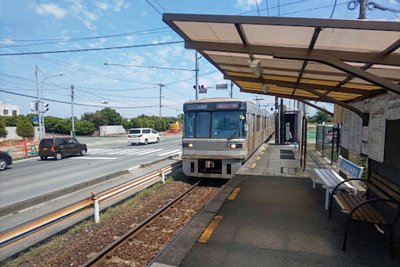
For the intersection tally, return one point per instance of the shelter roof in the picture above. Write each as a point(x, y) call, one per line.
point(336, 61)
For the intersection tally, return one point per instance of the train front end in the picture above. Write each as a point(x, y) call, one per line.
point(214, 140)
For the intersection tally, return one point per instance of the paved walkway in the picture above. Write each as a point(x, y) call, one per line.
point(277, 219)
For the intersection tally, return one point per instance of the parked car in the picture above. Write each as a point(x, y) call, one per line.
point(5, 160)
point(143, 136)
point(60, 148)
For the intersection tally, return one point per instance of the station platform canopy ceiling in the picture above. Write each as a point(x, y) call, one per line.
point(337, 61)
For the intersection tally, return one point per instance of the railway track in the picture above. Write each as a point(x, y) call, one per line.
point(143, 242)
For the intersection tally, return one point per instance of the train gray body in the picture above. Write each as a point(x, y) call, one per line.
point(220, 134)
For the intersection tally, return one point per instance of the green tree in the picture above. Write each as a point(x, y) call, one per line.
point(320, 117)
point(11, 121)
point(3, 130)
point(110, 116)
point(25, 128)
point(84, 128)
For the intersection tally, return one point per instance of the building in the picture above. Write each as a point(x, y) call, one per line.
point(8, 110)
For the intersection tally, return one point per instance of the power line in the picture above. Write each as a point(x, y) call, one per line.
point(148, 67)
point(273, 7)
point(258, 10)
point(266, 2)
point(91, 37)
point(333, 9)
point(314, 8)
point(70, 40)
point(158, 11)
point(90, 49)
point(77, 104)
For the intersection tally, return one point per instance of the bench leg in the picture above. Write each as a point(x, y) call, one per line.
point(313, 181)
point(330, 206)
point(391, 242)
point(326, 198)
point(346, 230)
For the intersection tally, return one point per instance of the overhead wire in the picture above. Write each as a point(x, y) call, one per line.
point(77, 104)
point(333, 9)
point(70, 40)
point(314, 8)
point(91, 49)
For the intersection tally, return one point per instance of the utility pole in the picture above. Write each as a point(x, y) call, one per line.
point(363, 8)
point(38, 105)
point(72, 112)
point(196, 69)
point(231, 89)
point(161, 85)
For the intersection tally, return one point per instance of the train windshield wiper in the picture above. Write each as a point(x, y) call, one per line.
point(233, 135)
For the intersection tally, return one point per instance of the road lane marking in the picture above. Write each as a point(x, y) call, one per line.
point(170, 152)
point(258, 158)
point(148, 152)
point(92, 158)
point(234, 193)
point(210, 229)
point(253, 165)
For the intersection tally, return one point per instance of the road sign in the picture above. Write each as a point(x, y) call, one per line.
point(36, 120)
point(221, 86)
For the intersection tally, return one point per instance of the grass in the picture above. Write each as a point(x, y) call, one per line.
point(58, 241)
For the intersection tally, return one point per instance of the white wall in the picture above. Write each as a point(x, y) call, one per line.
point(107, 130)
point(12, 133)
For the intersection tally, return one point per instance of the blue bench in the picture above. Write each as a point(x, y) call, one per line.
point(331, 178)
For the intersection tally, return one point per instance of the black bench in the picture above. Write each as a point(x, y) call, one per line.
point(364, 207)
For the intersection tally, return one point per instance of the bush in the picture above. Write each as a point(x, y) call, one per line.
point(25, 128)
point(3, 131)
point(84, 128)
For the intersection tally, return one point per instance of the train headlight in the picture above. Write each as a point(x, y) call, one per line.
point(190, 145)
point(233, 146)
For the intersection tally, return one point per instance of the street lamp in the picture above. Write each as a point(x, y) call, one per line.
point(40, 104)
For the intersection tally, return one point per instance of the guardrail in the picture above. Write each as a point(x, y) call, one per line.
point(94, 201)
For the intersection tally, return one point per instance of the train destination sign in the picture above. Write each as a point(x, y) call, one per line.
point(227, 106)
point(196, 107)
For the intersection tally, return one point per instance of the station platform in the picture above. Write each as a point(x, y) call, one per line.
point(269, 215)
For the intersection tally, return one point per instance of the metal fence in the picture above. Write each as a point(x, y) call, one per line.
point(328, 141)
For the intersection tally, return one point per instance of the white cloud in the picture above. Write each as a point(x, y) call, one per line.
point(247, 4)
point(102, 5)
point(80, 11)
point(52, 9)
point(119, 5)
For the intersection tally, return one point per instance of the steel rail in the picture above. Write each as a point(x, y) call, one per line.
point(120, 241)
point(22, 231)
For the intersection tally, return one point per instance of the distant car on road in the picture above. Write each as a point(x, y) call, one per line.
point(5, 160)
point(143, 136)
point(60, 148)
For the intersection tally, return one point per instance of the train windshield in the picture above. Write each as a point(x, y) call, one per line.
point(218, 124)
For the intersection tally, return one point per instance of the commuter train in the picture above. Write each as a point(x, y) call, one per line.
point(220, 134)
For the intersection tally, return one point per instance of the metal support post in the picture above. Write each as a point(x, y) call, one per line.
point(197, 76)
point(72, 112)
point(162, 176)
point(363, 8)
point(231, 89)
point(38, 104)
point(159, 112)
point(96, 208)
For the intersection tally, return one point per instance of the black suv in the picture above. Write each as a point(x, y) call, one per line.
point(5, 160)
point(60, 147)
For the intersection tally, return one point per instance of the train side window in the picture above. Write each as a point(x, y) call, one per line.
point(189, 124)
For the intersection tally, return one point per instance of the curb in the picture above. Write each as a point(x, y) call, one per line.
point(49, 196)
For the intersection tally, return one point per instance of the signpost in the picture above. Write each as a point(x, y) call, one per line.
point(222, 86)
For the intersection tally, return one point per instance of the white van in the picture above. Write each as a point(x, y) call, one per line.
point(143, 136)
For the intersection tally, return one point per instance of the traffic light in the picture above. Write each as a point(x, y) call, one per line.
point(203, 89)
point(34, 106)
point(45, 107)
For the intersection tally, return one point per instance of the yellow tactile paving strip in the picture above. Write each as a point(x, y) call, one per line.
point(205, 236)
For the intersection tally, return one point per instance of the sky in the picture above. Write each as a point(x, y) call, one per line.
point(32, 26)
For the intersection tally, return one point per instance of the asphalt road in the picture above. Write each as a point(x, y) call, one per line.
point(34, 177)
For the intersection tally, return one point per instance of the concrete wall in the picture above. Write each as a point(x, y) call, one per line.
point(12, 133)
point(112, 130)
